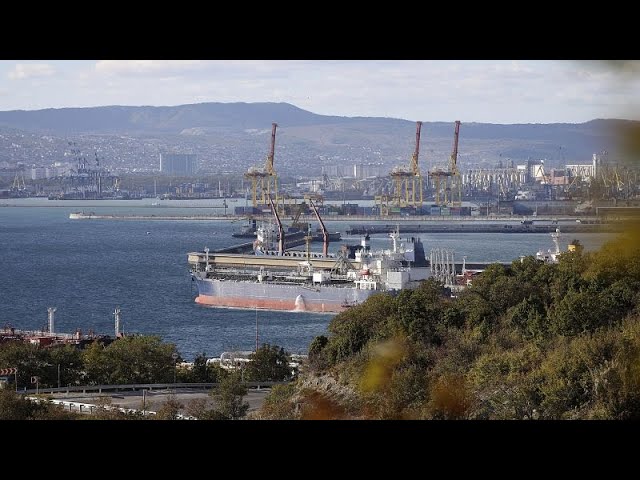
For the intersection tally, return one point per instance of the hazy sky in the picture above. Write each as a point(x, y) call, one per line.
point(496, 91)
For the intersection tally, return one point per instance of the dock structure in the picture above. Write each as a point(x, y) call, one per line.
point(402, 219)
point(45, 338)
point(498, 227)
point(48, 335)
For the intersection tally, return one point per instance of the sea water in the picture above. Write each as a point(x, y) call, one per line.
point(87, 268)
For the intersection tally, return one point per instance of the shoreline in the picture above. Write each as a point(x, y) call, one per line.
point(417, 224)
point(350, 218)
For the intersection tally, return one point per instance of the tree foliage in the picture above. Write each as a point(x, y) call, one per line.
point(136, 359)
point(228, 396)
point(279, 404)
point(201, 371)
point(526, 341)
point(169, 409)
point(43, 363)
point(15, 407)
point(268, 363)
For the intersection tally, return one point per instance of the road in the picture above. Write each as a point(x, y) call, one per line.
point(156, 398)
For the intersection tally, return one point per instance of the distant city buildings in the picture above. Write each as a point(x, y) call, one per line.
point(587, 170)
point(314, 186)
point(178, 163)
point(358, 171)
point(38, 173)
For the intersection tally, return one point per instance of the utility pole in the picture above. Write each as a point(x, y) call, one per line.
point(174, 355)
point(58, 375)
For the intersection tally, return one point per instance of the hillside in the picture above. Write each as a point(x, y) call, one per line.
point(155, 120)
point(236, 134)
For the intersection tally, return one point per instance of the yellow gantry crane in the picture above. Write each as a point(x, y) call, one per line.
point(408, 181)
point(264, 181)
point(448, 184)
point(18, 184)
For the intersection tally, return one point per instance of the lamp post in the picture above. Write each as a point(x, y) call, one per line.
point(174, 355)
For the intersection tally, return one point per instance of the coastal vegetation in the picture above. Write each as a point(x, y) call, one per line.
point(16, 407)
point(133, 360)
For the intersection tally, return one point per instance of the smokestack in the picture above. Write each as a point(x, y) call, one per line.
point(116, 314)
point(52, 318)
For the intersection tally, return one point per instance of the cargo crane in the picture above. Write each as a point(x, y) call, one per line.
point(295, 223)
point(87, 181)
point(264, 180)
point(448, 183)
point(281, 245)
point(507, 180)
point(407, 182)
point(456, 183)
point(611, 179)
point(18, 184)
point(325, 234)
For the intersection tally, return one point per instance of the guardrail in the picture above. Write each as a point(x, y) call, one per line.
point(89, 408)
point(138, 386)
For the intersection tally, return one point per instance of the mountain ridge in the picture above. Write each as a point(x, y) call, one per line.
point(170, 119)
point(235, 135)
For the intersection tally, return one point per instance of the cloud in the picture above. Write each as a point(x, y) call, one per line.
point(147, 67)
point(498, 91)
point(31, 70)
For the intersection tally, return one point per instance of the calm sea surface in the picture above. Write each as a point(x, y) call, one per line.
point(86, 268)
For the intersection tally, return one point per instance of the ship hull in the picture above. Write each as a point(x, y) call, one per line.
point(273, 296)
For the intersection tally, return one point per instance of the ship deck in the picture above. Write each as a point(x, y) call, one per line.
point(239, 260)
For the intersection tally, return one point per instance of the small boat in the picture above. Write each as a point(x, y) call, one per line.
point(80, 215)
point(247, 231)
point(551, 256)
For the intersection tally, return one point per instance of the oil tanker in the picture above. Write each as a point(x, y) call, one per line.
point(303, 280)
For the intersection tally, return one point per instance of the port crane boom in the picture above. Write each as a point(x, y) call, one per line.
point(280, 227)
point(325, 234)
point(269, 165)
point(415, 169)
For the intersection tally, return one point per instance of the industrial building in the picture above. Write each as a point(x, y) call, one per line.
point(357, 171)
point(178, 163)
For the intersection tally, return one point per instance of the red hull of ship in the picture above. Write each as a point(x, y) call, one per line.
point(268, 304)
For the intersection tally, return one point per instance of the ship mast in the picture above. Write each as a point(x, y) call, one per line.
point(555, 236)
point(394, 236)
